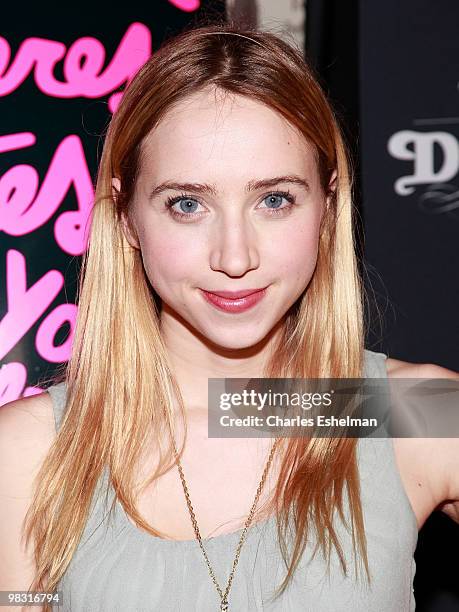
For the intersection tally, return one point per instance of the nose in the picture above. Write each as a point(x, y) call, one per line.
point(234, 249)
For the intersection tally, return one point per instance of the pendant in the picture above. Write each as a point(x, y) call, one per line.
point(224, 606)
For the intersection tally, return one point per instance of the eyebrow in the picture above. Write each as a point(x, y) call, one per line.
point(211, 189)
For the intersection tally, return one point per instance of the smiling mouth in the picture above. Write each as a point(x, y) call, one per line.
point(234, 304)
point(234, 295)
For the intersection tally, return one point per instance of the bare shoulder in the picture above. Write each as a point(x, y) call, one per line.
point(27, 426)
point(405, 369)
point(428, 466)
point(27, 432)
point(36, 407)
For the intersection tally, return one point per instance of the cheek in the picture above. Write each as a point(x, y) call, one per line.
point(167, 259)
point(297, 255)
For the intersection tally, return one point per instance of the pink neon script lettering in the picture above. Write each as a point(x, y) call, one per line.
point(13, 142)
point(44, 341)
point(24, 206)
point(24, 305)
point(186, 5)
point(83, 65)
point(13, 378)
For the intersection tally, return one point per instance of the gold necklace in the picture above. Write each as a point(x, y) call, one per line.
point(223, 596)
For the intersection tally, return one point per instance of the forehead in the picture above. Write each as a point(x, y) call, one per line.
point(224, 134)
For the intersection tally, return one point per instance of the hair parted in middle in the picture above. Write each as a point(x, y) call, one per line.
point(119, 382)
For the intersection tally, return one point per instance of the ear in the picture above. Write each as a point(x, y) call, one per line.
point(331, 189)
point(126, 224)
point(332, 182)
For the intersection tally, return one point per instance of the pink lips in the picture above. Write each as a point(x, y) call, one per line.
point(234, 301)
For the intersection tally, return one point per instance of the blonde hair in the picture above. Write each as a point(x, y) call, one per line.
point(119, 383)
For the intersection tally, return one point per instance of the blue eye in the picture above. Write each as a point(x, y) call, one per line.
point(188, 203)
point(279, 195)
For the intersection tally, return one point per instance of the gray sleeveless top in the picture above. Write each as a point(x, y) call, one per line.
point(118, 567)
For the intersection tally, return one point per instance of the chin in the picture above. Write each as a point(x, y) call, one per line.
point(235, 340)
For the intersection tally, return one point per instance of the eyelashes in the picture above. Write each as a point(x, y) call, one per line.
point(276, 212)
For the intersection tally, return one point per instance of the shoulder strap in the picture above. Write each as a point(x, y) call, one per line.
point(375, 364)
point(58, 395)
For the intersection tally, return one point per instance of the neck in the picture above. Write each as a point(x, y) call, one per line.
point(194, 359)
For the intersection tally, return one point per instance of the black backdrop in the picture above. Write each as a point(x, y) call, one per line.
point(392, 69)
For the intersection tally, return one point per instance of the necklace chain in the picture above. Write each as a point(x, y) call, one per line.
point(223, 595)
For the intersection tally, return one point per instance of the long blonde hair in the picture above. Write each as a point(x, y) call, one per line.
point(119, 383)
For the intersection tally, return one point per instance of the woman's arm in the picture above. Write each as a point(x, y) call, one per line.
point(27, 431)
point(437, 458)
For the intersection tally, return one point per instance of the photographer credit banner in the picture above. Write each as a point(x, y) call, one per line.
point(333, 407)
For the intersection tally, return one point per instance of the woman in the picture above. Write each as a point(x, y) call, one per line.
point(223, 170)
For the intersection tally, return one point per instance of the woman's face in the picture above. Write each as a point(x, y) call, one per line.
point(226, 234)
